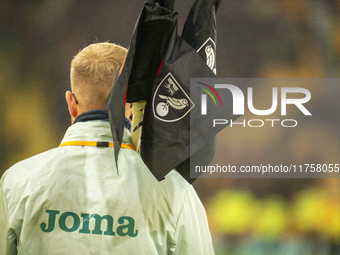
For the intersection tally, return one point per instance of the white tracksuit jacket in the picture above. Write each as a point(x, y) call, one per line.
point(71, 200)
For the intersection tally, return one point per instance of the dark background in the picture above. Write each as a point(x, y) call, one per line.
point(256, 38)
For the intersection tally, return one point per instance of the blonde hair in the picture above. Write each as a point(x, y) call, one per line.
point(92, 73)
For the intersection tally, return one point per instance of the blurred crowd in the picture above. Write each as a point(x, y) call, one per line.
point(256, 38)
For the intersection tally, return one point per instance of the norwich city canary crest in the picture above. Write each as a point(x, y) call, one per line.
point(170, 102)
point(208, 51)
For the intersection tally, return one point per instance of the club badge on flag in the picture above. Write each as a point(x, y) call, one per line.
point(170, 103)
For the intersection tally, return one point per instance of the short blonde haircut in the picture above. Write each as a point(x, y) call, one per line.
point(92, 73)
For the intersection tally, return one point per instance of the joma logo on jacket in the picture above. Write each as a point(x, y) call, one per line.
point(126, 224)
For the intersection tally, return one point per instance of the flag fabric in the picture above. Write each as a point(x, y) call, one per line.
point(146, 50)
point(158, 68)
point(166, 127)
point(200, 32)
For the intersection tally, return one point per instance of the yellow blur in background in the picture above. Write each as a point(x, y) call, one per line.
point(263, 38)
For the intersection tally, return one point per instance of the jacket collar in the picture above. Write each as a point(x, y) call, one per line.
point(98, 115)
point(93, 130)
point(92, 115)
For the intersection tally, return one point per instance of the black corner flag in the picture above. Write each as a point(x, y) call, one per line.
point(158, 68)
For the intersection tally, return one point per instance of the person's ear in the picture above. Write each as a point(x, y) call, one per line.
point(72, 104)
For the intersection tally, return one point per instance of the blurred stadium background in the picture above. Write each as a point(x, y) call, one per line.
point(256, 38)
